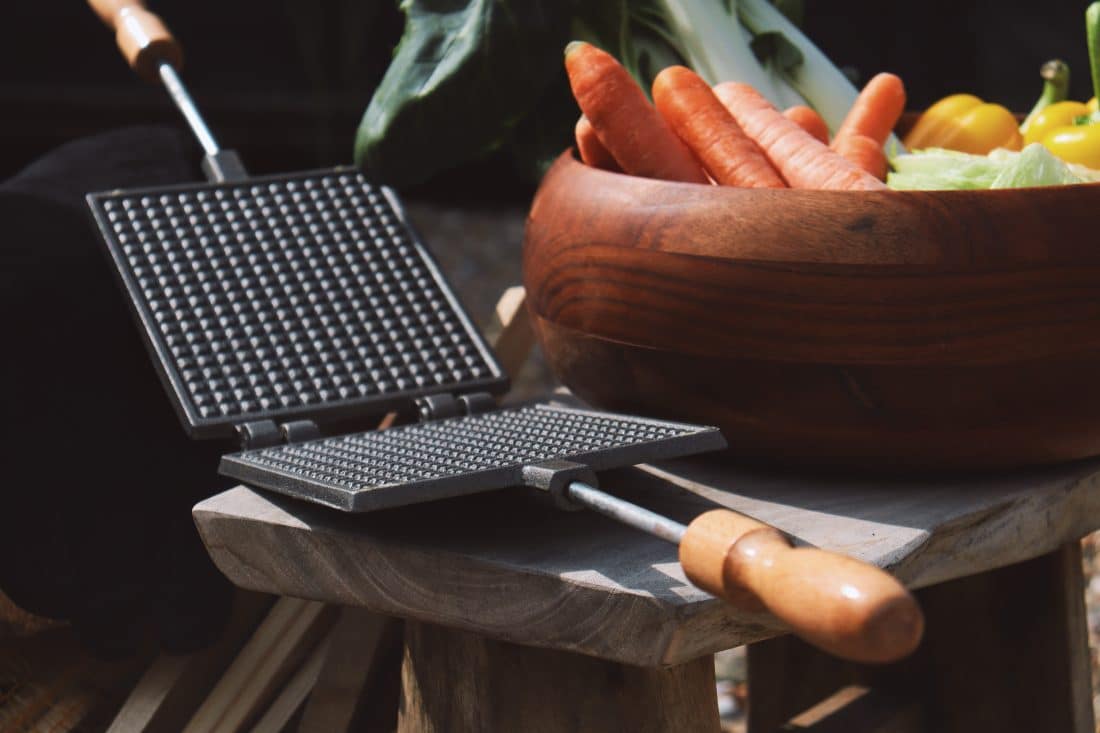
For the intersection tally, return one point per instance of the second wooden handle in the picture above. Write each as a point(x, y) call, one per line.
point(142, 37)
point(841, 605)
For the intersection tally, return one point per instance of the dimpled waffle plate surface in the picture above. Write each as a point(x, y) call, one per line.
point(460, 455)
point(302, 295)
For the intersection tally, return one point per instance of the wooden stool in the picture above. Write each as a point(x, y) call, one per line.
point(522, 617)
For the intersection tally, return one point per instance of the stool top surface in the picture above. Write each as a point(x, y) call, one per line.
point(508, 565)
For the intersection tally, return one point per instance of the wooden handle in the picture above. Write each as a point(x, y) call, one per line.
point(846, 607)
point(142, 37)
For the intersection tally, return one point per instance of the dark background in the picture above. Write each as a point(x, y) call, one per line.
point(939, 47)
point(285, 81)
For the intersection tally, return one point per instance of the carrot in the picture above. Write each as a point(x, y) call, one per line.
point(626, 123)
point(876, 110)
point(809, 120)
point(802, 160)
point(688, 105)
point(865, 152)
point(591, 149)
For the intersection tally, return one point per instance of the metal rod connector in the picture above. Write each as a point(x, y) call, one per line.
point(186, 106)
point(626, 512)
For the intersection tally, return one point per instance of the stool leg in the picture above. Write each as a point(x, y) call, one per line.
point(1004, 651)
point(459, 682)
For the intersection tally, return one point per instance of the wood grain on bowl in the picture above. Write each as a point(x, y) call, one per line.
point(948, 328)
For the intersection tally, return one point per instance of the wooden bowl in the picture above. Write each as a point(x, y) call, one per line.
point(879, 329)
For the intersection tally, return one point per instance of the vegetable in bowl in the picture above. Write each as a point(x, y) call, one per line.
point(936, 169)
point(474, 76)
point(1062, 136)
point(729, 134)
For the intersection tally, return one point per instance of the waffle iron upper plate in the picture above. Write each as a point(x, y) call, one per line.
point(289, 296)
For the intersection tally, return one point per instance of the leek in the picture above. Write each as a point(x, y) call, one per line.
point(715, 37)
point(713, 42)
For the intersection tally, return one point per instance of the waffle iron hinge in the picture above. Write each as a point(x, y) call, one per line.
point(441, 406)
point(268, 433)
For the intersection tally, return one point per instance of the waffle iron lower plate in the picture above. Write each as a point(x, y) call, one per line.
point(460, 455)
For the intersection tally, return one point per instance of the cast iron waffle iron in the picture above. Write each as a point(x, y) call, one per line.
point(276, 308)
point(280, 306)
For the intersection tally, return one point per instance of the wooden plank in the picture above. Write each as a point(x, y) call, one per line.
point(1070, 584)
point(857, 709)
point(50, 682)
point(365, 647)
point(147, 702)
point(508, 566)
point(514, 336)
point(784, 679)
point(828, 707)
point(1004, 650)
point(288, 701)
point(174, 685)
point(457, 682)
point(67, 713)
point(289, 632)
point(14, 621)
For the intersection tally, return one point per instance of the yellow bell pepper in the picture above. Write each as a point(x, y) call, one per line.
point(1076, 144)
point(964, 122)
point(1077, 138)
point(1059, 114)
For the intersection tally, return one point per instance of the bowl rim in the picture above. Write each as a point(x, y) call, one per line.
point(571, 155)
point(1064, 214)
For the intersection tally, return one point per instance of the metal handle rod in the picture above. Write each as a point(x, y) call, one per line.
point(186, 106)
point(625, 512)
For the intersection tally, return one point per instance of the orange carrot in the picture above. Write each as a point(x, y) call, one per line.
point(865, 152)
point(876, 110)
point(695, 114)
point(809, 120)
point(626, 123)
point(591, 149)
point(802, 160)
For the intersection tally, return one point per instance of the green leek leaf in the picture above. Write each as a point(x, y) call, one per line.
point(464, 74)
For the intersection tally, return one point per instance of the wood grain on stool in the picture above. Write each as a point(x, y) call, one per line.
point(510, 567)
point(458, 682)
